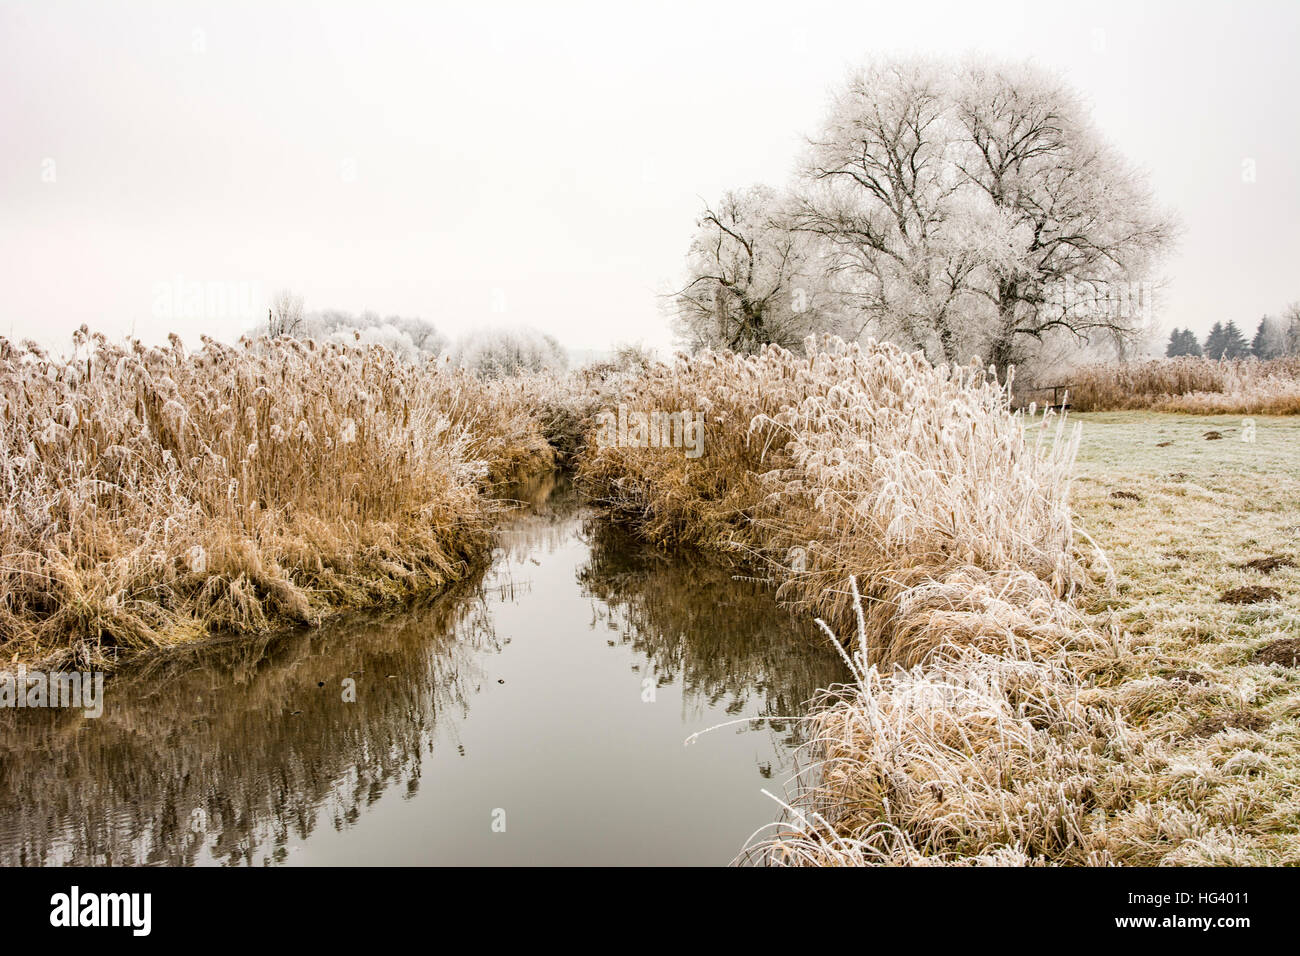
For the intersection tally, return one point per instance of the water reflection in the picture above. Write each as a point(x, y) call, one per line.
point(245, 752)
point(722, 638)
point(222, 754)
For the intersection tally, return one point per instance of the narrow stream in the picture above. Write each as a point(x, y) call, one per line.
point(534, 715)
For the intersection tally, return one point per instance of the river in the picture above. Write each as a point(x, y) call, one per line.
point(535, 714)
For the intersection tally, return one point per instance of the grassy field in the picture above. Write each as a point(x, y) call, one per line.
point(1182, 517)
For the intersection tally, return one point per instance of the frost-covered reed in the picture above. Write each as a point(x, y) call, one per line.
point(857, 460)
point(152, 496)
point(909, 506)
point(1196, 386)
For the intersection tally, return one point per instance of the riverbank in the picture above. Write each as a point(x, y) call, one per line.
point(155, 497)
point(1071, 641)
point(533, 713)
point(1002, 708)
point(1175, 742)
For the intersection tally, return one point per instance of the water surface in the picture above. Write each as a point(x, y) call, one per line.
point(536, 714)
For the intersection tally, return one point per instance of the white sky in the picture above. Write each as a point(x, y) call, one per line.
point(556, 152)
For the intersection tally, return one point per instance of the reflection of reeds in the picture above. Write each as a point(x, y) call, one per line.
point(200, 753)
point(541, 516)
point(727, 641)
point(152, 496)
point(228, 751)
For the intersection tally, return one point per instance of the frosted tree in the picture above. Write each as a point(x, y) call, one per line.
point(879, 188)
point(1270, 338)
point(1182, 342)
point(284, 317)
point(1215, 342)
point(1075, 214)
point(1235, 345)
point(962, 209)
point(504, 352)
point(753, 280)
point(1291, 326)
point(412, 339)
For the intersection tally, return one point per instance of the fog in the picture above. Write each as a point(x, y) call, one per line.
point(545, 166)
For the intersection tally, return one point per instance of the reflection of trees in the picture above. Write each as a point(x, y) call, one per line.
point(229, 751)
point(726, 640)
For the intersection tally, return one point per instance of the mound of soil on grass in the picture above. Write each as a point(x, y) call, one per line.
point(1189, 677)
point(1270, 564)
point(1211, 724)
point(1250, 594)
point(1125, 495)
point(1285, 652)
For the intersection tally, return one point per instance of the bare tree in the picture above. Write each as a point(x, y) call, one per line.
point(285, 315)
point(878, 187)
point(753, 280)
point(1291, 325)
point(961, 209)
point(505, 352)
point(1075, 215)
point(412, 339)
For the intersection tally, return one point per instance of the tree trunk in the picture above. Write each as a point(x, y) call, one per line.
point(1002, 350)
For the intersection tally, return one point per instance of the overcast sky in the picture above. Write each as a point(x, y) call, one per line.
point(550, 159)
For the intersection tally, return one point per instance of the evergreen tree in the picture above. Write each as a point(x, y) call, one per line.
point(1182, 342)
point(1175, 346)
point(1235, 345)
point(1259, 344)
point(1215, 342)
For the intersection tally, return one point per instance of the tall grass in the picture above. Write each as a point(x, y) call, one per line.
point(985, 721)
point(862, 461)
point(1198, 386)
point(977, 758)
point(153, 496)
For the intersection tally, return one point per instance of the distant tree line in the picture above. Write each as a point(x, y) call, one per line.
point(486, 352)
point(412, 339)
point(1275, 337)
point(505, 352)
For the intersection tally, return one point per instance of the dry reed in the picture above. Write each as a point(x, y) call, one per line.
point(1197, 386)
point(986, 721)
point(153, 496)
point(856, 460)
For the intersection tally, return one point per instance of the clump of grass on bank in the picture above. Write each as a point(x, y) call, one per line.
point(861, 461)
point(1000, 710)
point(1174, 741)
point(153, 496)
point(1199, 386)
